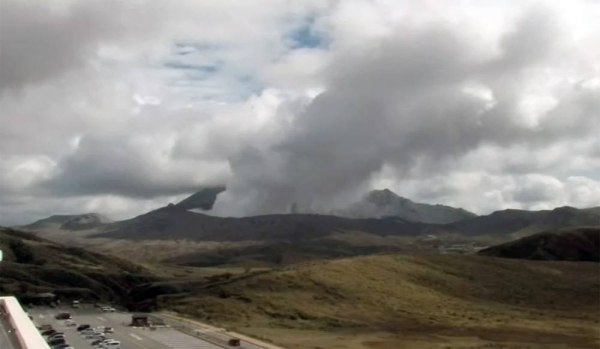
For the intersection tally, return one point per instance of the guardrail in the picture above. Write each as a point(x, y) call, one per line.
point(27, 334)
point(200, 335)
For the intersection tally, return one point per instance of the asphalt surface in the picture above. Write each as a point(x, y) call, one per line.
point(130, 337)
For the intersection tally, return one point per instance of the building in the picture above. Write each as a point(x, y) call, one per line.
point(146, 320)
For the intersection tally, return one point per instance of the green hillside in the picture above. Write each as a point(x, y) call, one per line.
point(34, 265)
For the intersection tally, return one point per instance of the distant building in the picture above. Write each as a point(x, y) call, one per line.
point(45, 298)
point(146, 320)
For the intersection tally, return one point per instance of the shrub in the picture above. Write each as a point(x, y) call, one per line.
point(23, 253)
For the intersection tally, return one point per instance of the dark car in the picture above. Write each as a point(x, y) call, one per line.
point(48, 332)
point(234, 342)
point(83, 327)
point(63, 316)
point(57, 342)
point(97, 341)
point(45, 327)
point(55, 334)
point(61, 346)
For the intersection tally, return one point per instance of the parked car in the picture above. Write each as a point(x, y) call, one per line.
point(95, 335)
point(63, 316)
point(61, 346)
point(234, 342)
point(62, 336)
point(99, 342)
point(48, 332)
point(114, 344)
point(83, 327)
point(108, 309)
point(87, 331)
point(45, 327)
point(56, 334)
point(109, 330)
point(57, 341)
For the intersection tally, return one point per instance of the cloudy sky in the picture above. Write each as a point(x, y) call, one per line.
point(120, 107)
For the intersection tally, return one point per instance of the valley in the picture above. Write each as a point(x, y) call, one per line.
point(308, 281)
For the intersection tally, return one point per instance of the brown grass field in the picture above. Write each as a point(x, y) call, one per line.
point(409, 301)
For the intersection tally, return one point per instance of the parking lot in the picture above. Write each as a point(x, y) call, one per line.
point(130, 337)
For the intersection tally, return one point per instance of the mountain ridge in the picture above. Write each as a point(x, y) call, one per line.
point(386, 203)
point(574, 244)
point(203, 199)
point(69, 222)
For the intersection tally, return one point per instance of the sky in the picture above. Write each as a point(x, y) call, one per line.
point(120, 107)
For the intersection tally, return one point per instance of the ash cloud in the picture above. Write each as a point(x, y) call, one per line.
point(417, 102)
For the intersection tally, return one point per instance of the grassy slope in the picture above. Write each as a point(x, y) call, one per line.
point(71, 272)
point(391, 301)
point(575, 244)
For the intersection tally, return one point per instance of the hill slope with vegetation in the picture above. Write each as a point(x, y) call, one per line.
point(34, 265)
point(578, 244)
point(395, 301)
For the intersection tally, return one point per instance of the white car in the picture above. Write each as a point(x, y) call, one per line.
point(113, 344)
point(95, 335)
point(108, 340)
point(108, 309)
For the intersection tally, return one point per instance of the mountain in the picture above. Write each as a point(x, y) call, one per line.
point(401, 301)
point(202, 240)
point(175, 222)
point(376, 204)
point(202, 200)
point(385, 203)
point(68, 222)
point(34, 265)
point(179, 235)
point(518, 223)
point(576, 244)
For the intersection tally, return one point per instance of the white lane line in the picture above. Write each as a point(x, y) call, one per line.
point(136, 336)
point(100, 318)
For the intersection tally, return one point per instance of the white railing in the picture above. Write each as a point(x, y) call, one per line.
point(27, 334)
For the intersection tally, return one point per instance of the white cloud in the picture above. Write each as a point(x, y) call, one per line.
point(122, 106)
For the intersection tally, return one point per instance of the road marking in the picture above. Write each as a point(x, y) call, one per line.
point(41, 316)
point(136, 336)
point(100, 318)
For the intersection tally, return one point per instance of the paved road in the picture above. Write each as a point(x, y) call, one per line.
point(131, 338)
point(216, 336)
